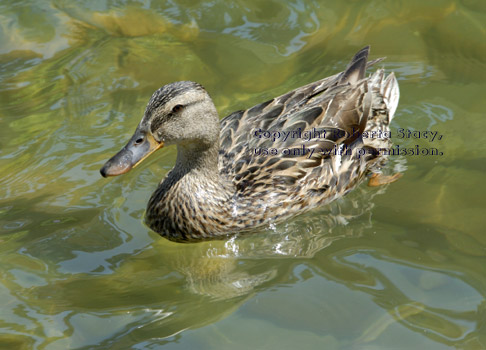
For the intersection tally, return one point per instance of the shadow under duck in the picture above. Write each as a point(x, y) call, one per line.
point(222, 183)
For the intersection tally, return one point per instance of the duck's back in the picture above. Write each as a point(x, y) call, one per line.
point(306, 147)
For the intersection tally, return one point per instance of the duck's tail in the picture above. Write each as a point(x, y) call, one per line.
point(385, 90)
point(385, 94)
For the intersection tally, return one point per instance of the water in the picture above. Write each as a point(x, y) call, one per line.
point(401, 266)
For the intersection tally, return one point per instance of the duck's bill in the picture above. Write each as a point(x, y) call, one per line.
point(140, 146)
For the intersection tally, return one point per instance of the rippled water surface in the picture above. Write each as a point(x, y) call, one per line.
point(397, 267)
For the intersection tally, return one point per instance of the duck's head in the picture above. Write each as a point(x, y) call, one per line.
point(180, 113)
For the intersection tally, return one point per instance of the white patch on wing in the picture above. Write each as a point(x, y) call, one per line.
point(337, 159)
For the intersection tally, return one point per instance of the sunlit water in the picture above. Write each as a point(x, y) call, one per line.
point(397, 267)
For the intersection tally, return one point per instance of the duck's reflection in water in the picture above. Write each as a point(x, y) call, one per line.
point(235, 267)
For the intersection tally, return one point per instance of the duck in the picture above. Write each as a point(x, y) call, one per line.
point(258, 166)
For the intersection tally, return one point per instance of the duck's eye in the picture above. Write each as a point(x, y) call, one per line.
point(177, 108)
point(139, 141)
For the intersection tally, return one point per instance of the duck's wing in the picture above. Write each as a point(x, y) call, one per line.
point(284, 139)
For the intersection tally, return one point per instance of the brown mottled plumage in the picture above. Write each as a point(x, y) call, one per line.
point(224, 181)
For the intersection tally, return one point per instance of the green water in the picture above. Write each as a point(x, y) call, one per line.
point(397, 267)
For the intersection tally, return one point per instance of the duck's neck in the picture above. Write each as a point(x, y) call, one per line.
point(197, 159)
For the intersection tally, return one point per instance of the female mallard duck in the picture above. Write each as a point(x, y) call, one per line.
point(274, 160)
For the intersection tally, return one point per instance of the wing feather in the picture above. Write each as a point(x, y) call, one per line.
point(306, 127)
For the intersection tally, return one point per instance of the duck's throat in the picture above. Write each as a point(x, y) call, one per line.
point(197, 159)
